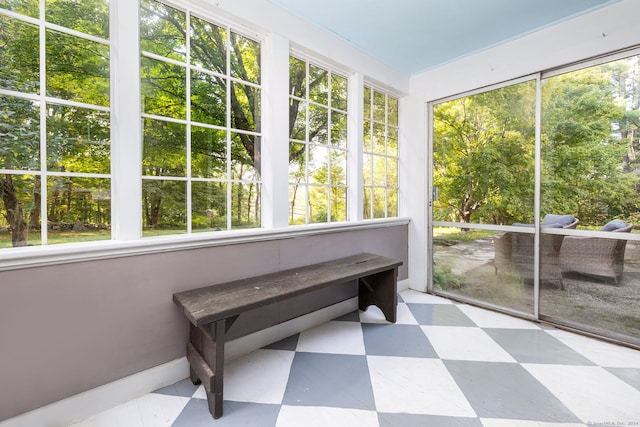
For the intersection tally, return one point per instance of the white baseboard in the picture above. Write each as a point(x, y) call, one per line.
point(91, 402)
point(83, 405)
point(403, 285)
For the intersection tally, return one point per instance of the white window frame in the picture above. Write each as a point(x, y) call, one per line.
point(229, 130)
point(43, 101)
point(126, 151)
point(387, 125)
point(306, 184)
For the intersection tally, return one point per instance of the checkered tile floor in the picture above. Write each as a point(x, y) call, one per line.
point(441, 364)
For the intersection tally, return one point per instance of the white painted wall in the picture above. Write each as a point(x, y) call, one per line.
point(602, 31)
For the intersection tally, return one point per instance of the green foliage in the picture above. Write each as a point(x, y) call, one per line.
point(483, 155)
point(444, 278)
point(458, 235)
point(484, 149)
point(317, 151)
point(217, 156)
point(583, 157)
point(76, 140)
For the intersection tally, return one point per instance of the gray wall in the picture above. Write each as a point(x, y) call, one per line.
point(68, 328)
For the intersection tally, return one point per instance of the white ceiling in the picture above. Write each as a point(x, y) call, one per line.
point(416, 35)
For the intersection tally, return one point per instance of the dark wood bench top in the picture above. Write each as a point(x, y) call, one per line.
point(210, 303)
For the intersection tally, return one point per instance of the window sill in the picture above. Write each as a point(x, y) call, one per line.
point(17, 258)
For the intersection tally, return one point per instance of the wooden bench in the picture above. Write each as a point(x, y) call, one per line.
point(213, 310)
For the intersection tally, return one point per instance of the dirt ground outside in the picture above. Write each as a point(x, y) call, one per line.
point(591, 304)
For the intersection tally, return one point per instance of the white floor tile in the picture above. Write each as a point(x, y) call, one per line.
point(599, 352)
point(159, 410)
point(491, 319)
point(123, 415)
point(150, 410)
point(374, 315)
point(462, 343)
point(333, 337)
point(416, 386)
point(200, 393)
point(312, 416)
point(591, 393)
point(260, 376)
point(494, 422)
point(411, 296)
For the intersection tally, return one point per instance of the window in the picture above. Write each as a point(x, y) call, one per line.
point(201, 92)
point(317, 144)
point(380, 160)
point(75, 162)
point(54, 122)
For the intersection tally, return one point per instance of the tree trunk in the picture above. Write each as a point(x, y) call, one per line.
point(34, 215)
point(13, 212)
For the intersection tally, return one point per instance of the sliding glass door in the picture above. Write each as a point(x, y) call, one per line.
point(483, 179)
point(536, 197)
point(590, 168)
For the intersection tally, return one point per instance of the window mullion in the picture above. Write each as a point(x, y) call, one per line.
point(355, 156)
point(275, 164)
point(126, 131)
point(44, 229)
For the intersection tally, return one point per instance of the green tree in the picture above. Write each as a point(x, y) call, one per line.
point(163, 32)
point(483, 156)
point(77, 139)
point(582, 156)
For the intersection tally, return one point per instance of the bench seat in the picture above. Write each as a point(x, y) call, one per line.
point(212, 310)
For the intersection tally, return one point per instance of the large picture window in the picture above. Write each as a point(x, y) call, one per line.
point(317, 145)
point(55, 148)
point(200, 85)
point(380, 160)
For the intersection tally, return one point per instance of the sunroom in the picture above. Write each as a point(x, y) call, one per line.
point(155, 146)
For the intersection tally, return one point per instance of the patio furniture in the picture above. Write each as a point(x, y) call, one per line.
point(515, 251)
point(596, 256)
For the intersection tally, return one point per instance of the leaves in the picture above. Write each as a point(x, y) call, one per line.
point(484, 158)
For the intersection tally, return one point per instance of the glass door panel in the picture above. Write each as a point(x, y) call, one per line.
point(483, 206)
point(591, 169)
point(476, 265)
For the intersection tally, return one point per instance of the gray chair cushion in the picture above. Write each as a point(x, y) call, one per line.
point(554, 225)
point(614, 225)
point(550, 220)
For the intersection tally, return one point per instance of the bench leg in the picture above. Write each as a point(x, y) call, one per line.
point(216, 362)
point(205, 353)
point(381, 290)
point(194, 340)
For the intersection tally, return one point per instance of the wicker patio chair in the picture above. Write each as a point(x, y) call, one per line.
point(595, 256)
point(502, 252)
point(515, 251)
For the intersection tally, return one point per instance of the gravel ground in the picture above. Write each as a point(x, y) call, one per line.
point(587, 303)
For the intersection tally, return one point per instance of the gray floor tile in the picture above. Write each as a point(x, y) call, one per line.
point(507, 391)
point(629, 375)
point(235, 414)
point(289, 343)
point(184, 388)
point(337, 380)
point(412, 420)
point(439, 315)
point(536, 346)
point(354, 316)
point(396, 340)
